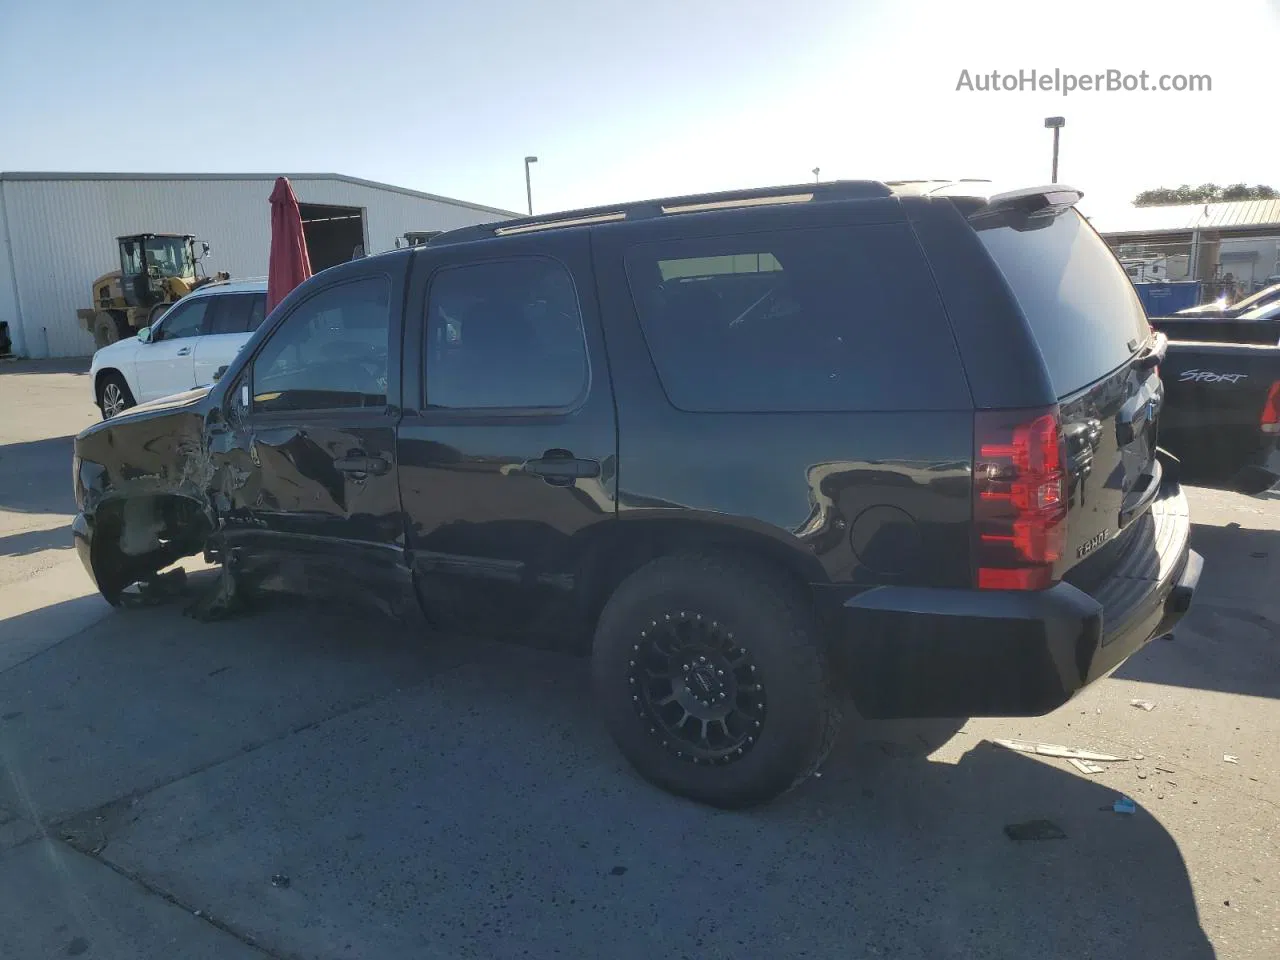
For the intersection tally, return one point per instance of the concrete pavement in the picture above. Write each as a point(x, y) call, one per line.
point(304, 784)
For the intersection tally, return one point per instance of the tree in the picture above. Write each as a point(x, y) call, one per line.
point(1205, 193)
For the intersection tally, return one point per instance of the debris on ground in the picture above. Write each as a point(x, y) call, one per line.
point(1228, 758)
point(1084, 766)
point(280, 880)
point(1056, 750)
point(1146, 705)
point(1033, 831)
point(158, 589)
point(1124, 805)
point(223, 600)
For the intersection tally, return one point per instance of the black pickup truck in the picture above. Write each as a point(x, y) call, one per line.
point(1222, 398)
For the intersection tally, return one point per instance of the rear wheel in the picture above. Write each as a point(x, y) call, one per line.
point(114, 395)
point(712, 680)
point(108, 329)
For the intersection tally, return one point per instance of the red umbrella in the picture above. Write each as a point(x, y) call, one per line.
point(289, 264)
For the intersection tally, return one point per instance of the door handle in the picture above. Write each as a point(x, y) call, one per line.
point(184, 352)
point(560, 469)
point(360, 465)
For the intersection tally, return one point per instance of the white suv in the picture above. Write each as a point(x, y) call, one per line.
point(200, 333)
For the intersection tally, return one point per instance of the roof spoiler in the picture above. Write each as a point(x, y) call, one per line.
point(1049, 200)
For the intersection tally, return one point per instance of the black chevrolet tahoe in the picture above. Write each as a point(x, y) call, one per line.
point(774, 451)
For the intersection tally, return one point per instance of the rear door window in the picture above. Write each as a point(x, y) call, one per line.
point(505, 334)
point(1078, 301)
point(838, 319)
point(257, 312)
point(230, 313)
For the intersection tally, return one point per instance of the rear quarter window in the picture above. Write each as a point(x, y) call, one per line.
point(1078, 301)
point(823, 319)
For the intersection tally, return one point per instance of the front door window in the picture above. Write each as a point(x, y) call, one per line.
point(330, 353)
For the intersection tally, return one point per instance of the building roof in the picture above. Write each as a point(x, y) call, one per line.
point(28, 175)
point(1189, 216)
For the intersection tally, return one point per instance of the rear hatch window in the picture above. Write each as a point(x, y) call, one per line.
point(1082, 309)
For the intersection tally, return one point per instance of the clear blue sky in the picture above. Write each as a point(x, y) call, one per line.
point(631, 100)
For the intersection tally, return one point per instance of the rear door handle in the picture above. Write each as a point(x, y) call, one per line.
point(361, 465)
point(561, 471)
point(184, 352)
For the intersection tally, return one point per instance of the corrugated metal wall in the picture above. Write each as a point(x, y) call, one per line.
point(61, 235)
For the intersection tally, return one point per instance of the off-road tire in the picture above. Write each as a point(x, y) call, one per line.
point(107, 383)
point(771, 621)
point(108, 329)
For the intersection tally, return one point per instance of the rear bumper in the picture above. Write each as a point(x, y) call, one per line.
point(928, 652)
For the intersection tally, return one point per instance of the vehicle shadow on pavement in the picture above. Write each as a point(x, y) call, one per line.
point(460, 797)
point(1230, 639)
point(35, 541)
point(38, 476)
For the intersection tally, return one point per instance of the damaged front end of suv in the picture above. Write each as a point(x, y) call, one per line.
point(144, 485)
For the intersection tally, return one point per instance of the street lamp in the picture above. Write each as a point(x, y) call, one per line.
point(1056, 124)
point(528, 186)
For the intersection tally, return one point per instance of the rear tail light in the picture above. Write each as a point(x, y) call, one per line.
point(1271, 410)
point(1019, 498)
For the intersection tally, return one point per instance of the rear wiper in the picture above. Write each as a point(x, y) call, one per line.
point(743, 315)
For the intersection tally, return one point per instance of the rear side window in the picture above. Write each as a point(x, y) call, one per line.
point(826, 319)
point(1078, 301)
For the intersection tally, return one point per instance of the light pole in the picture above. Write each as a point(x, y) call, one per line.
point(815, 174)
point(528, 185)
point(1056, 124)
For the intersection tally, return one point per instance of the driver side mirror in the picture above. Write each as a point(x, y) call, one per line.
point(144, 335)
point(236, 399)
point(217, 374)
point(204, 247)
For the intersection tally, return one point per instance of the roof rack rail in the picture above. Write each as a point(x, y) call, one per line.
point(647, 209)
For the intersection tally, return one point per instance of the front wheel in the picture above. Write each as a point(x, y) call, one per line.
point(114, 395)
point(712, 679)
point(108, 329)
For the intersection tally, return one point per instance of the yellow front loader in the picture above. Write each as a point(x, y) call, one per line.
point(156, 270)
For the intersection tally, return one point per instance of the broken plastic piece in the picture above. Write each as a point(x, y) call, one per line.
point(1124, 805)
point(1228, 758)
point(1055, 750)
point(155, 590)
point(1084, 766)
point(1146, 705)
point(223, 600)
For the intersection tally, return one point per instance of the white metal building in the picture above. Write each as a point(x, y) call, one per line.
point(58, 230)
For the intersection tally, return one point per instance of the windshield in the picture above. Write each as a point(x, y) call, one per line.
point(169, 257)
point(1262, 297)
point(1270, 311)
